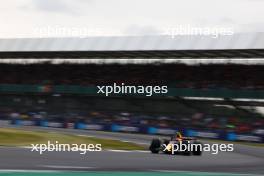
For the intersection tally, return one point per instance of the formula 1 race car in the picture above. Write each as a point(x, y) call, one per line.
point(177, 145)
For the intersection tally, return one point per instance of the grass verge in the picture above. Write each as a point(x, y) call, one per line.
point(16, 137)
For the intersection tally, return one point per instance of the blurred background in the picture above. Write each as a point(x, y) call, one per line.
point(222, 100)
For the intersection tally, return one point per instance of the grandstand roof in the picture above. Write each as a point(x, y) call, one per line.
point(237, 45)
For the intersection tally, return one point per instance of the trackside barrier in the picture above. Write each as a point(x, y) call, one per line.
point(222, 135)
point(209, 134)
point(162, 131)
point(22, 122)
point(122, 128)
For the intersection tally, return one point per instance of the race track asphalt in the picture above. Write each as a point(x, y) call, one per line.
point(228, 162)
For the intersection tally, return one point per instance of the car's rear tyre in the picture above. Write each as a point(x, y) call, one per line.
point(198, 150)
point(155, 146)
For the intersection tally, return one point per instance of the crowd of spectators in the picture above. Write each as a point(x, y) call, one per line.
point(198, 121)
point(174, 75)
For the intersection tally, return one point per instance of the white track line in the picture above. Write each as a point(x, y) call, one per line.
point(113, 138)
point(141, 143)
point(66, 167)
point(83, 135)
point(110, 150)
point(123, 151)
point(142, 151)
point(27, 171)
point(128, 151)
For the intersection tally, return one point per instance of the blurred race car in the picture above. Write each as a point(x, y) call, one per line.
point(168, 146)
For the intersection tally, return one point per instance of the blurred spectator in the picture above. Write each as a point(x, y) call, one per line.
point(174, 75)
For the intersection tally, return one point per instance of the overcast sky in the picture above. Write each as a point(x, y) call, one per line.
point(22, 18)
